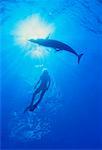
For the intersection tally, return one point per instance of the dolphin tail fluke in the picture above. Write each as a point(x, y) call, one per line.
point(79, 57)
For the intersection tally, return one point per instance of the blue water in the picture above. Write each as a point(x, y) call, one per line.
point(70, 114)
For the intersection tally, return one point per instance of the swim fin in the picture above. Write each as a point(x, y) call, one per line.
point(26, 109)
point(32, 108)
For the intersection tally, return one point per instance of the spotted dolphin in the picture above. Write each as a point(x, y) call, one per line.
point(57, 45)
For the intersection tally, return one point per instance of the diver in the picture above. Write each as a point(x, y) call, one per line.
point(41, 87)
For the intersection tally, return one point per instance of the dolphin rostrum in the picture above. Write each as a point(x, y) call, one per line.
point(57, 45)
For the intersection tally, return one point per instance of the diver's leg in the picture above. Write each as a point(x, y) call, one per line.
point(33, 97)
point(37, 91)
point(37, 103)
point(41, 97)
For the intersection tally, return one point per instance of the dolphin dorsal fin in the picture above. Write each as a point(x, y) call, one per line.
point(48, 36)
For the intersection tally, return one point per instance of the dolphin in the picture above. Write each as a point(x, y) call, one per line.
point(57, 45)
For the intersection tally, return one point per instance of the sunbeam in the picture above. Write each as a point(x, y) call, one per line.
point(32, 27)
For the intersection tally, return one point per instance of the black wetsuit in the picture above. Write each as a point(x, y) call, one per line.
point(42, 86)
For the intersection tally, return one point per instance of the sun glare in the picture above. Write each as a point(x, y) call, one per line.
point(32, 27)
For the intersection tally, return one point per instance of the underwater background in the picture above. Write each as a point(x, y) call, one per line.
point(70, 114)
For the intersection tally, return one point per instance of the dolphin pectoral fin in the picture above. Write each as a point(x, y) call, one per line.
point(56, 49)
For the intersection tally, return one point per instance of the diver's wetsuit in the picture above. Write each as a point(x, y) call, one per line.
point(44, 82)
